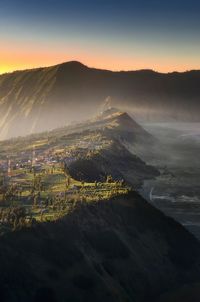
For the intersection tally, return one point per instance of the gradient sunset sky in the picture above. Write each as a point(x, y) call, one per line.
point(110, 34)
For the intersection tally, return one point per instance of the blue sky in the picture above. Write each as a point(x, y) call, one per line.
point(162, 35)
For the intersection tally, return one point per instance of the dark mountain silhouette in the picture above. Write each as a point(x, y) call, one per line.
point(44, 98)
point(121, 249)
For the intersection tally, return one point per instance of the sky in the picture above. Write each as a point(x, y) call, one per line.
point(109, 34)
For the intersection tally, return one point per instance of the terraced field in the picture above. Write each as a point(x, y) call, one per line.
point(49, 196)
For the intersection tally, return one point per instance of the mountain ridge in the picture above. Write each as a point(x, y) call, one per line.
point(45, 98)
point(111, 138)
point(83, 65)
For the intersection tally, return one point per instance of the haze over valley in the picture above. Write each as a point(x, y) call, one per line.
point(74, 190)
point(99, 151)
point(46, 98)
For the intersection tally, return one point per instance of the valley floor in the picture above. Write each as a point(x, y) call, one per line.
point(176, 191)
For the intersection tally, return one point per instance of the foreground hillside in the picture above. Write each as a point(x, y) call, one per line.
point(114, 250)
point(73, 228)
point(45, 98)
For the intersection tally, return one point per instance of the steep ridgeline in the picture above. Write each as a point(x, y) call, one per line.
point(113, 160)
point(45, 98)
point(121, 249)
point(92, 150)
point(114, 123)
point(119, 138)
point(122, 126)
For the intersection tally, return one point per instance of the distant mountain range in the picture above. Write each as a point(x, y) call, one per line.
point(45, 98)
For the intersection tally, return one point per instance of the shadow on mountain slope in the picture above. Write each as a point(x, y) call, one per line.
point(45, 98)
point(115, 160)
point(115, 250)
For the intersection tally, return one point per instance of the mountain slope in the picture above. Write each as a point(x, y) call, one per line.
point(114, 123)
point(91, 150)
point(115, 250)
point(45, 98)
point(113, 160)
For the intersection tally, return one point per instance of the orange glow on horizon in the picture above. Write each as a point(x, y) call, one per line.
point(20, 60)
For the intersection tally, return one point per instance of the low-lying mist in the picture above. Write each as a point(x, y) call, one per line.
point(45, 98)
point(44, 117)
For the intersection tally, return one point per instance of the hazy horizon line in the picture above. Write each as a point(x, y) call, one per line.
point(99, 68)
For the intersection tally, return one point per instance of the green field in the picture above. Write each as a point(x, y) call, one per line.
point(32, 197)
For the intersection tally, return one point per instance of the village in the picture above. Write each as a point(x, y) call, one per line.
point(37, 186)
